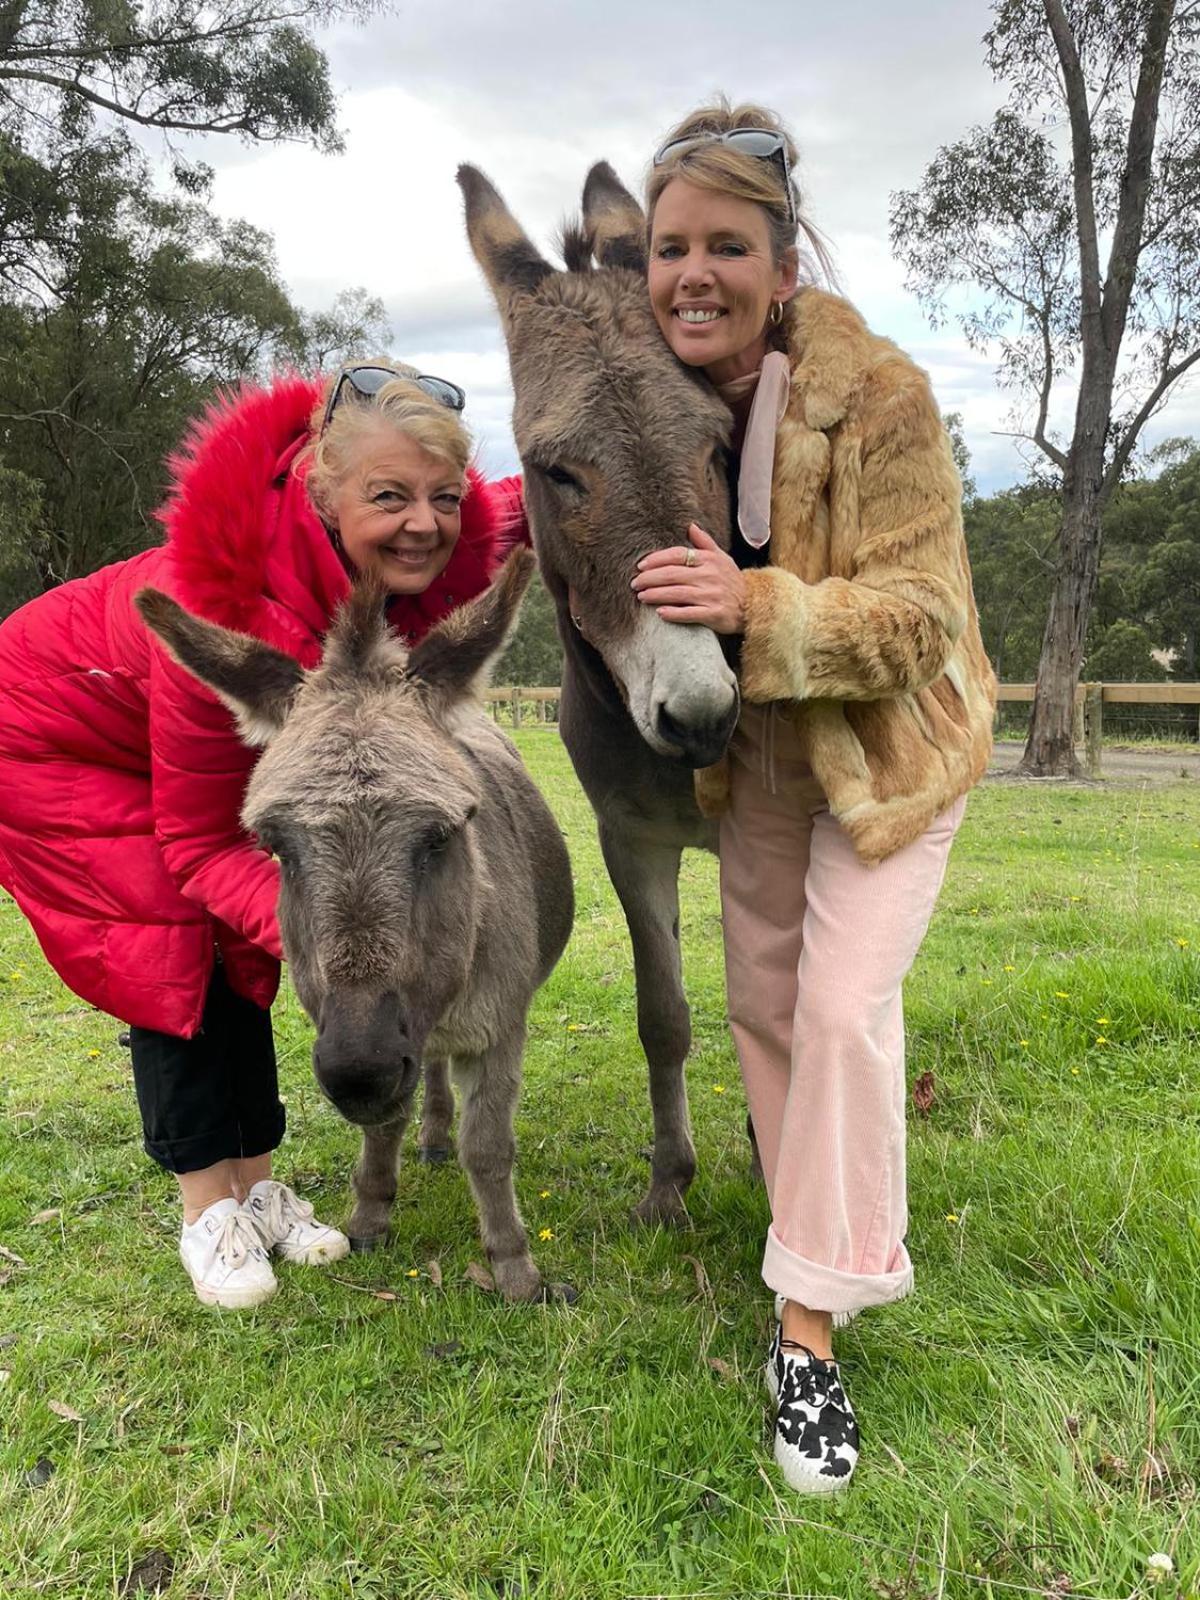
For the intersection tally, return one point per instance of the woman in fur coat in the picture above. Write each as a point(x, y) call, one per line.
point(122, 778)
point(867, 716)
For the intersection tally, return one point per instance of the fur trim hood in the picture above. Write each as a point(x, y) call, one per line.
point(242, 531)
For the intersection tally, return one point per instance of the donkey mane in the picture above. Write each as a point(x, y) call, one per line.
point(577, 245)
point(359, 642)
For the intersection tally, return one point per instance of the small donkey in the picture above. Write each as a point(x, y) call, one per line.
point(426, 890)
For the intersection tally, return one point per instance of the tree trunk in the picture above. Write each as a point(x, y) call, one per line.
point(1050, 748)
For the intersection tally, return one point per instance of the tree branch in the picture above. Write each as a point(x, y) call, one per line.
point(1135, 179)
point(1082, 168)
point(1145, 411)
point(1050, 450)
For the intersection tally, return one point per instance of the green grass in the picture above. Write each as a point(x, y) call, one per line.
point(1031, 1416)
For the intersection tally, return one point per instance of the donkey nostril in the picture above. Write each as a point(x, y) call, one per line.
point(672, 731)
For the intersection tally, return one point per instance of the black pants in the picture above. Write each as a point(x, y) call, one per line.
point(212, 1098)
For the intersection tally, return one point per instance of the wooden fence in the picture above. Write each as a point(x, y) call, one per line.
point(1090, 699)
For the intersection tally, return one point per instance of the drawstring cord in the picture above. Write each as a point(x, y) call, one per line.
point(768, 747)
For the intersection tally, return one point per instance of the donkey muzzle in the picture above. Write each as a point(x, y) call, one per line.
point(364, 1059)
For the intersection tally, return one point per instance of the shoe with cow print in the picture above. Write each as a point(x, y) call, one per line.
point(287, 1226)
point(816, 1431)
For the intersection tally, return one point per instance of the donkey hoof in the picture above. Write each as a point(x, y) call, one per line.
point(564, 1294)
point(433, 1155)
point(362, 1243)
point(654, 1212)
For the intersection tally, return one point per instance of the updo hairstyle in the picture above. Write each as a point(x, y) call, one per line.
point(399, 405)
point(726, 170)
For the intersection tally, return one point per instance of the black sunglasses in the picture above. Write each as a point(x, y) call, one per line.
point(764, 143)
point(368, 381)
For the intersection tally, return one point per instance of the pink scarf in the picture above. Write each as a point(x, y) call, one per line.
point(769, 385)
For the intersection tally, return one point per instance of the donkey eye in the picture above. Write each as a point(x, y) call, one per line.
point(435, 843)
point(562, 479)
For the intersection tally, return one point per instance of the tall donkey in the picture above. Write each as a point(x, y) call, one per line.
point(622, 447)
point(426, 890)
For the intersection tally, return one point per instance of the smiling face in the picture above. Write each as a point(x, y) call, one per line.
point(397, 511)
point(713, 278)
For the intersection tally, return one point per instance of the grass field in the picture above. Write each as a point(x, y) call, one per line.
point(1031, 1416)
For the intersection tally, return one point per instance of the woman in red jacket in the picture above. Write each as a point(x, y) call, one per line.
point(122, 778)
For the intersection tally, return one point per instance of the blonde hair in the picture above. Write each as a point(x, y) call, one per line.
point(725, 170)
point(400, 405)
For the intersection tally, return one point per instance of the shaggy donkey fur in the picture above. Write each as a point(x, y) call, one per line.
point(622, 447)
point(425, 887)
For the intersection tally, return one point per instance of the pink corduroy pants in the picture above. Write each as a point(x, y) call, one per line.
point(817, 946)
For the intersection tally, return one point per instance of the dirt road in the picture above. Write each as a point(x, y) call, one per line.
point(1119, 763)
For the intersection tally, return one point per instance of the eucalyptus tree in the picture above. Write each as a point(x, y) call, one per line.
point(1066, 234)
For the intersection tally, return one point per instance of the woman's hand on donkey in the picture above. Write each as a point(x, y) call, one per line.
point(698, 583)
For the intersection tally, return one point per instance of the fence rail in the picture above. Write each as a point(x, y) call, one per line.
point(1090, 700)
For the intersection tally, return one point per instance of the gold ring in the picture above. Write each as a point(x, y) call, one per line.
point(689, 560)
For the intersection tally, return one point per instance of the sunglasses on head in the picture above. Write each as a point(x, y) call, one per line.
point(764, 143)
point(368, 381)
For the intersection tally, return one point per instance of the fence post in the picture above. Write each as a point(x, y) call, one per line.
point(1093, 726)
point(516, 706)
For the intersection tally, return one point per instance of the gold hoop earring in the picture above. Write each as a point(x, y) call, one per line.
point(776, 313)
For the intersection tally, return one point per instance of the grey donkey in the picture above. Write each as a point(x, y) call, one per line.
point(622, 447)
point(425, 887)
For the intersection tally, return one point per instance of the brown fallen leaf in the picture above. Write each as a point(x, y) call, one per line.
point(385, 1294)
point(151, 1573)
point(923, 1093)
point(702, 1284)
point(49, 1215)
point(435, 1273)
point(722, 1369)
point(480, 1277)
point(173, 1449)
point(11, 1255)
point(68, 1413)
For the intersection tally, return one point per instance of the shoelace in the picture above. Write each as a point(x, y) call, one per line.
point(237, 1238)
point(283, 1210)
point(815, 1383)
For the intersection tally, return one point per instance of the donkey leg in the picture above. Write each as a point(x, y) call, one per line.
point(487, 1148)
point(646, 878)
point(437, 1114)
point(374, 1182)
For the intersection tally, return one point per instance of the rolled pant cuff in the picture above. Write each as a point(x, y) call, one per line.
point(825, 1288)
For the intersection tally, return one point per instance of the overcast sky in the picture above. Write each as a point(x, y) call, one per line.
point(534, 91)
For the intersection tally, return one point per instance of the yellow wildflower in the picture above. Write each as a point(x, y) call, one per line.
point(1061, 994)
point(543, 1194)
point(952, 1216)
point(93, 1055)
point(413, 1272)
point(718, 1088)
point(545, 1233)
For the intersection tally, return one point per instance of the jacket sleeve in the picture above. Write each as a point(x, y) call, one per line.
point(512, 529)
point(888, 629)
point(199, 768)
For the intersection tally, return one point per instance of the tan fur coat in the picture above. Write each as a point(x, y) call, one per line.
point(864, 623)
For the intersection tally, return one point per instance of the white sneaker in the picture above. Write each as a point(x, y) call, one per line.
point(225, 1259)
point(287, 1226)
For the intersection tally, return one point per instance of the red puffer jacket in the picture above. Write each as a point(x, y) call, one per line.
point(121, 778)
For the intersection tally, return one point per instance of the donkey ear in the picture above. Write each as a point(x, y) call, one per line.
point(256, 682)
point(615, 221)
point(511, 264)
point(454, 659)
